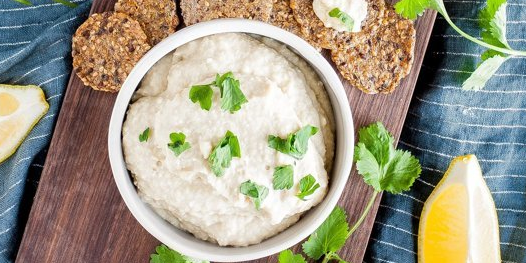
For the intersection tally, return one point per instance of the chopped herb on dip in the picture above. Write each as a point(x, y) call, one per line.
point(231, 95)
point(296, 144)
point(258, 193)
point(178, 143)
point(308, 186)
point(143, 137)
point(203, 94)
point(223, 153)
point(343, 17)
point(283, 177)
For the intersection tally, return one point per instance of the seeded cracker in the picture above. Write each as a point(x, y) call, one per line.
point(158, 18)
point(314, 29)
point(378, 64)
point(105, 49)
point(283, 17)
point(195, 11)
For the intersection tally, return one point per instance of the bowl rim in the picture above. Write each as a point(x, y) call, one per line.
point(191, 246)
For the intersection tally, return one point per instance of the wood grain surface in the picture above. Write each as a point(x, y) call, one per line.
point(79, 216)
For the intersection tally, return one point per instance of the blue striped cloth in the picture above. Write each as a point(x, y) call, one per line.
point(35, 44)
point(444, 122)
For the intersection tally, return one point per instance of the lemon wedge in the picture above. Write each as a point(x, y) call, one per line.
point(459, 221)
point(21, 107)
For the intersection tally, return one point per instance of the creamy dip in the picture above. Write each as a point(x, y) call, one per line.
point(284, 94)
point(356, 9)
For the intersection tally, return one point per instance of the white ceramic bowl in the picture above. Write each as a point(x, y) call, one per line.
point(185, 242)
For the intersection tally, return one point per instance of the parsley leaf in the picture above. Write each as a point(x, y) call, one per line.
point(492, 20)
point(143, 137)
point(166, 255)
point(258, 193)
point(283, 177)
point(483, 73)
point(343, 17)
point(380, 165)
point(178, 144)
point(231, 95)
point(223, 153)
point(308, 186)
point(287, 256)
point(329, 237)
point(203, 94)
point(296, 144)
point(413, 8)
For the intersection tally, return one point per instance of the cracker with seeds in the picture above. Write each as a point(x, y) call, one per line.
point(158, 18)
point(195, 11)
point(283, 17)
point(105, 49)
point(314, 29)
point(378, 64)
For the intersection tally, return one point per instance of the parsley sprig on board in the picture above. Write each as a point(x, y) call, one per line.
point(492, 21)
point(385, 169)
point(63, 2)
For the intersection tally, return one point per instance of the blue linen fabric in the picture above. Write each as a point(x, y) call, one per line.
point(445, 121)
point(35, 47)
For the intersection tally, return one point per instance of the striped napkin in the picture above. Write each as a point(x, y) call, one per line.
point(35, 46)
point(445, 121)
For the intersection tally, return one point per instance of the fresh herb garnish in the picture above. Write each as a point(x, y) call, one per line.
point(283, 177)
point(286, 256)
point(203, 94)
point(166, 255)
point(231, 95)
point(492, 20)
point(296, 144)
point(380, 165)
point(63, 2)
point(343, 17)
point(329, 237)
point(258, 193)
point(223, 153)
point(308, 186)
point(178, 144)
point(143, 137)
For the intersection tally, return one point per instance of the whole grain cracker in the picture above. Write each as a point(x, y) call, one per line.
point(378, 63)
point(195, 11)
point(283, 17)
point(105, 49)
point(314, 29)
point(158, 18)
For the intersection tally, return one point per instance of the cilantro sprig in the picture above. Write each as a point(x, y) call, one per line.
point(223, 153)
point(283, 177)
point(308, 186)
point(492, 21)
point(296, 144)
point(382, 167)
point(143, 137)
point(178, 143)
point(166, 255)
point(231, 95)
point(256, 192)
point(343, 17)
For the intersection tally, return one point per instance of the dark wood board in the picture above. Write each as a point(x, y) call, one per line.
point(79, 216)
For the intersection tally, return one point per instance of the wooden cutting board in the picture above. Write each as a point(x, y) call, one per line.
point(79, 216)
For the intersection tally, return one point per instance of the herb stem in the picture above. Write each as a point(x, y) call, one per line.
point(364, 214)
point(480, 42)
